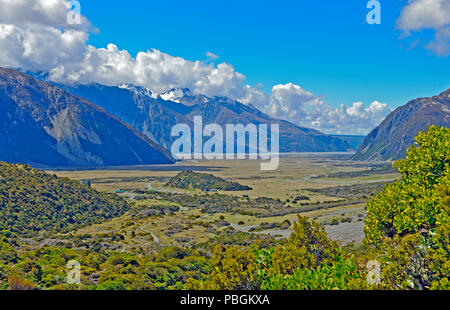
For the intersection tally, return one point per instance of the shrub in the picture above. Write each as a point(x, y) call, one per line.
point(409, 223)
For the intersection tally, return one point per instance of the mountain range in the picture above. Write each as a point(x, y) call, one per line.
point(390, 140)
point(155, 115)
point(53, 125)
point(46, 126)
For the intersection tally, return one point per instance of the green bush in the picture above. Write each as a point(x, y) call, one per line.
point(409, 223)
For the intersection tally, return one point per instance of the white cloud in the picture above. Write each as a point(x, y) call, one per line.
point(418, 15)
point(35, 36)
point(422, 14)
point(40, 48)
point(292, 103)
point(212, 55)
point(441, 43)
point(255, 96)
point(152, 69)
point(51, 13)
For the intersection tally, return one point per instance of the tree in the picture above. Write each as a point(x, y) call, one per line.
point(309, 260)
point(308, 247)
point(233, 269)
point(408, 223)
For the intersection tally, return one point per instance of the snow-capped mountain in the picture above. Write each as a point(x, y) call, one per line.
point(155, 115)
point(46, 126)
point(175, 94)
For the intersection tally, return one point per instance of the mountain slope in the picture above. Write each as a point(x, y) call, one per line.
point(353, 140)
point(390, 140)
point(33, 202)
point(155, 115)
point(45, 126)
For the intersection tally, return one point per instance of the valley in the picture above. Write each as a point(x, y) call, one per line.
point(307, 184)
point(224, 146)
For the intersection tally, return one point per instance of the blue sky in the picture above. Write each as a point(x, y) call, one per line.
point(324, 46)
point(318, 64)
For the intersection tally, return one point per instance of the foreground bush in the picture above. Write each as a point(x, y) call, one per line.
point(409, 223)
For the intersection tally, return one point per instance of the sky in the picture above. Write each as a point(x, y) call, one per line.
point(316, 63)
point(325, 46)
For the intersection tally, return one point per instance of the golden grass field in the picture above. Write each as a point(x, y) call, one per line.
point(296, 174)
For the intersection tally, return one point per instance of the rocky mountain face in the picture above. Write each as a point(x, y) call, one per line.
point(155, 115)
point(390, 140)
point(45, 126)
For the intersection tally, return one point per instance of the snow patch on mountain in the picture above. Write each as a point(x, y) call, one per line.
point(175, 94)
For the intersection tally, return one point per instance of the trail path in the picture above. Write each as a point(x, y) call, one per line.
point(156, 239)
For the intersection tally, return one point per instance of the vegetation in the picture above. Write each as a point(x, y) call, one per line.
point(351, 191)
point(309, 260)
point(407, 232)
point(204, 182)
point(33, 202)
point(46, 268)
point(409, 221)
point(376, 169)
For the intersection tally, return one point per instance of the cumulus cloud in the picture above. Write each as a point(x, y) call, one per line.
point(292, 103)
point(357, 119)
point(418, 15)
point(51, 13)
point(255, 96)
point(40, 48)
point(152, 69)
point(35, 36)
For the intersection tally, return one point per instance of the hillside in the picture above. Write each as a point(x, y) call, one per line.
point(33, 202)
point(353, 141)
point(396, 133)
point(155, 115)
point(204, 182)
point(45, 126)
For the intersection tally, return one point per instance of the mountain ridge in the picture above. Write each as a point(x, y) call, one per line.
point(46, 126)
point(154, 116)
point(389, 140)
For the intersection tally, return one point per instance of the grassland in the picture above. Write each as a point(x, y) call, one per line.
point(304, 184)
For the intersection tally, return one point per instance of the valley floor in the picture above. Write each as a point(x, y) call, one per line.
point(325, 187)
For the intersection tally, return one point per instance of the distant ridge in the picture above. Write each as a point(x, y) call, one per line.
point(353, 141)
point(390, 140)
point(155, 115)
